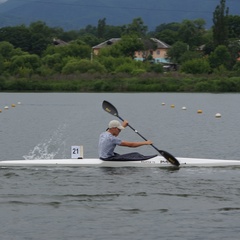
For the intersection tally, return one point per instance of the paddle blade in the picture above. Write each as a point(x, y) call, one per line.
point(169, 157)
point(109, 108)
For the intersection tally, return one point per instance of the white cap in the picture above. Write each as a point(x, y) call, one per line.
point(115, 124)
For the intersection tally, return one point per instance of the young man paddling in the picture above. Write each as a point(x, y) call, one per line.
point(109, 140)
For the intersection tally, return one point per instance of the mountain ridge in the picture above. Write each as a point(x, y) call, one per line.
point(77, 14)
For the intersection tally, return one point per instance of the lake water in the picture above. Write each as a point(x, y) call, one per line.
point(119, 203)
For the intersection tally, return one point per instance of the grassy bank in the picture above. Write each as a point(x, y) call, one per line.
point(169, 82)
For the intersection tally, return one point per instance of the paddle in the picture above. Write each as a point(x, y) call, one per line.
point(108, 107)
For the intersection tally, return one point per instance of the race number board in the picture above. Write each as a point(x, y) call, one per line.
point(76, 152)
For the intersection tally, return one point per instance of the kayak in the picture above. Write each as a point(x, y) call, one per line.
point(157, 161)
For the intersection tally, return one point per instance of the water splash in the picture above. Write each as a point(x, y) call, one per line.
point(48, 149)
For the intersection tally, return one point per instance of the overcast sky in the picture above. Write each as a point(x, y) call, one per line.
point(2, 1)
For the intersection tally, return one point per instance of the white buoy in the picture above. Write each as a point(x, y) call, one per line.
point(19, 103)
point(184, 108)
point(6, 107)
point(218, 115)
point(163, 104)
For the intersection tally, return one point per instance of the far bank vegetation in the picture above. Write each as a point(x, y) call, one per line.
point(33, 59)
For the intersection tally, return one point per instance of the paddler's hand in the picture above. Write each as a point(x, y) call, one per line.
point(148, 142)
point(125, 123)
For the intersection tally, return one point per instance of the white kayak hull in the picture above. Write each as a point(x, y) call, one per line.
point(157, 161)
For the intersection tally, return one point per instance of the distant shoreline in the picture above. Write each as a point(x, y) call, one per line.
point(168, 82)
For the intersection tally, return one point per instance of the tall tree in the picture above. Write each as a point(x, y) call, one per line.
point(101, 28)
point(41, 37)
point(129, 44)
point(167, 32)
point(137, 27)
point(191, 32)
point(234, 26)
point(220, 27)
point(176, 51)
point(18, 36)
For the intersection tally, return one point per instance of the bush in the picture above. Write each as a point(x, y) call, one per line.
point(83, 66)
point(236, 67)
point(54, 62)
point(111, 63)
point(156, 67)
point(196, 66)
point(126, 68)
point(220, 56)
point(136, 72)
point(27, 62)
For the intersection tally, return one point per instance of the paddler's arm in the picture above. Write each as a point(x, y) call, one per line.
point(135, 144)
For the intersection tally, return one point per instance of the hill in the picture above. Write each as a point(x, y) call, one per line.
point(76, 14)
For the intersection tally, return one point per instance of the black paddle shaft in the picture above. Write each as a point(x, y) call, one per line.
point(136, 131)
point(108, 107)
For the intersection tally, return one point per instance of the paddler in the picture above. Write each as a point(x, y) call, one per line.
point(109, 139)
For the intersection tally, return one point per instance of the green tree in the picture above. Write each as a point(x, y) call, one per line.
point(130, 66)
point(29, 62)
point(233, 22)
point(112, 63)
point(220, 24)
point(54, 62)
point(41, 37)
point(94, 35)
point(208, 45)
point(83, 66)
point(113, 32)
point(1, 65)
point(191, 32)
point(190, 55)
point(41, 27)
point(157, 68)
point(168, 36)
point(220, 57)
point(18, 36)
point(89, 39)
point(128, 45)
point(7, 50)
point(74, 49)
point(101, 28)
point(68, 36)
point(167, 32)
point(89, 29)
point(176, 51)
point(38, 44)
point(113, 51)
point(148, 47)
point(234, 50)
point(33, 39)
point(236, 67)
point(78, 49)
point(137, 27)
point(173, 26)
